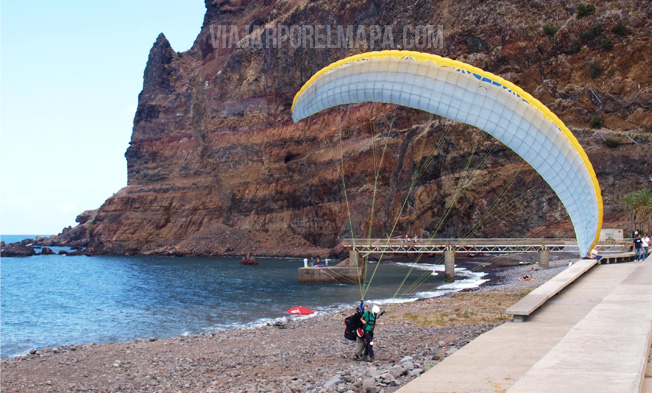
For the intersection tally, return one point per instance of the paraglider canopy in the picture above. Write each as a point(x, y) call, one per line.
point(461, 92)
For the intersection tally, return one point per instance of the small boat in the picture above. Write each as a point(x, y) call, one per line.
point(249, 260)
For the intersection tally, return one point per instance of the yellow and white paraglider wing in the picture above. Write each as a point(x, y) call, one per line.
point(467, 94)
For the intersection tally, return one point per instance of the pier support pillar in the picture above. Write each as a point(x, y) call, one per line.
point(544, 259)
point(354, 258)
point(449, 265)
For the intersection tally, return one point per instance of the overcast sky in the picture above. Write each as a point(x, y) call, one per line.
point(71, 72)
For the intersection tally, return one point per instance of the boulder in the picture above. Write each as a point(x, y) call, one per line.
point(27, 242)
point(47, 251)
point(398, 370)
point(368, 385)
point(333, 381)
point(18, 250)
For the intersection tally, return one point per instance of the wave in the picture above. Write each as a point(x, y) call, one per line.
point(471, 280)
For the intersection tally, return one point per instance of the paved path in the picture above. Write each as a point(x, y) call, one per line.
point(594, 336)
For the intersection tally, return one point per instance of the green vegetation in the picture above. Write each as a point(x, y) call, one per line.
point(607, 44)
point(640, 203)
point(591, 33)
point(596, 122)
point(575, 47)
point(619, 29)
point(550, 29)
point(585, 9)
point(596, 69)
point(613, 142)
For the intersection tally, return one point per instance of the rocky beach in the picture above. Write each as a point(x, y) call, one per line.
point(301, 355)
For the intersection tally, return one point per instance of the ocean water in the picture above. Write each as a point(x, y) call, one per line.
point(51, 300)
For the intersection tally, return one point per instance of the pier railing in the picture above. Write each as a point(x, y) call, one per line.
point(473, 246)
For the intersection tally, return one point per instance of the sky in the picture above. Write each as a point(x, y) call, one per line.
point(70, 74)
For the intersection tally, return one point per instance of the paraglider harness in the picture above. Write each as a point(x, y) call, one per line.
point(353, 323)
point(353, 326)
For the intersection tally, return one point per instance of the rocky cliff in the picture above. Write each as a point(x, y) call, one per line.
point(216, 166)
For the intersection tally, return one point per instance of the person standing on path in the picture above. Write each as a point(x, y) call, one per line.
point(645, 245)
point(638, 248)
point(370, 320)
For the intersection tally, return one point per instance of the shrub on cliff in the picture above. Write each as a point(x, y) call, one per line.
point(595, 122)
point(596, 69)
point(574, 47)
point(591, 33)
point(550, 29)
point(612, 142)
point(607, 44)
point(619, 29)
point(585, 9)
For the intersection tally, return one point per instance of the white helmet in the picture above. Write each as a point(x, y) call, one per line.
point(375, 310)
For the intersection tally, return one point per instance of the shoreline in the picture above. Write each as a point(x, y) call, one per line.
point(302, 355)
point(327, 309)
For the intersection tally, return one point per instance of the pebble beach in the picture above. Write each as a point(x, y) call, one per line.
point(301, 355)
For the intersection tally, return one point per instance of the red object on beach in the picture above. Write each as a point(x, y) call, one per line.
point(300, 311)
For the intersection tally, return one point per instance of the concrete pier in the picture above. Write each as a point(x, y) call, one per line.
point(350, 271)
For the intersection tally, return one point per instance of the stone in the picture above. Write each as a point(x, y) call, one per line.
point(398, 370)
point(368, 385)
point(451, 351)
point(386, 377)
point(333, 381)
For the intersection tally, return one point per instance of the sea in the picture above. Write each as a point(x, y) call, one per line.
point(48, 301)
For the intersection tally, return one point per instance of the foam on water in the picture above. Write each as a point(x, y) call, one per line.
point(471, 279)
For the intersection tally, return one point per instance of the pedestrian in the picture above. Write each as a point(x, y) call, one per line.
point(593, 254)
point(370, 320)
point(645, 245)
point(638, 248)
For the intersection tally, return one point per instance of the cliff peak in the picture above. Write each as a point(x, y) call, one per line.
point(158, 70)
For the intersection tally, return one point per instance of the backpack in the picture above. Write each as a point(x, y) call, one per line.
point(351, 324)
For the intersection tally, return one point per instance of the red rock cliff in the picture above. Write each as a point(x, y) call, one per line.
point(216, 166)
